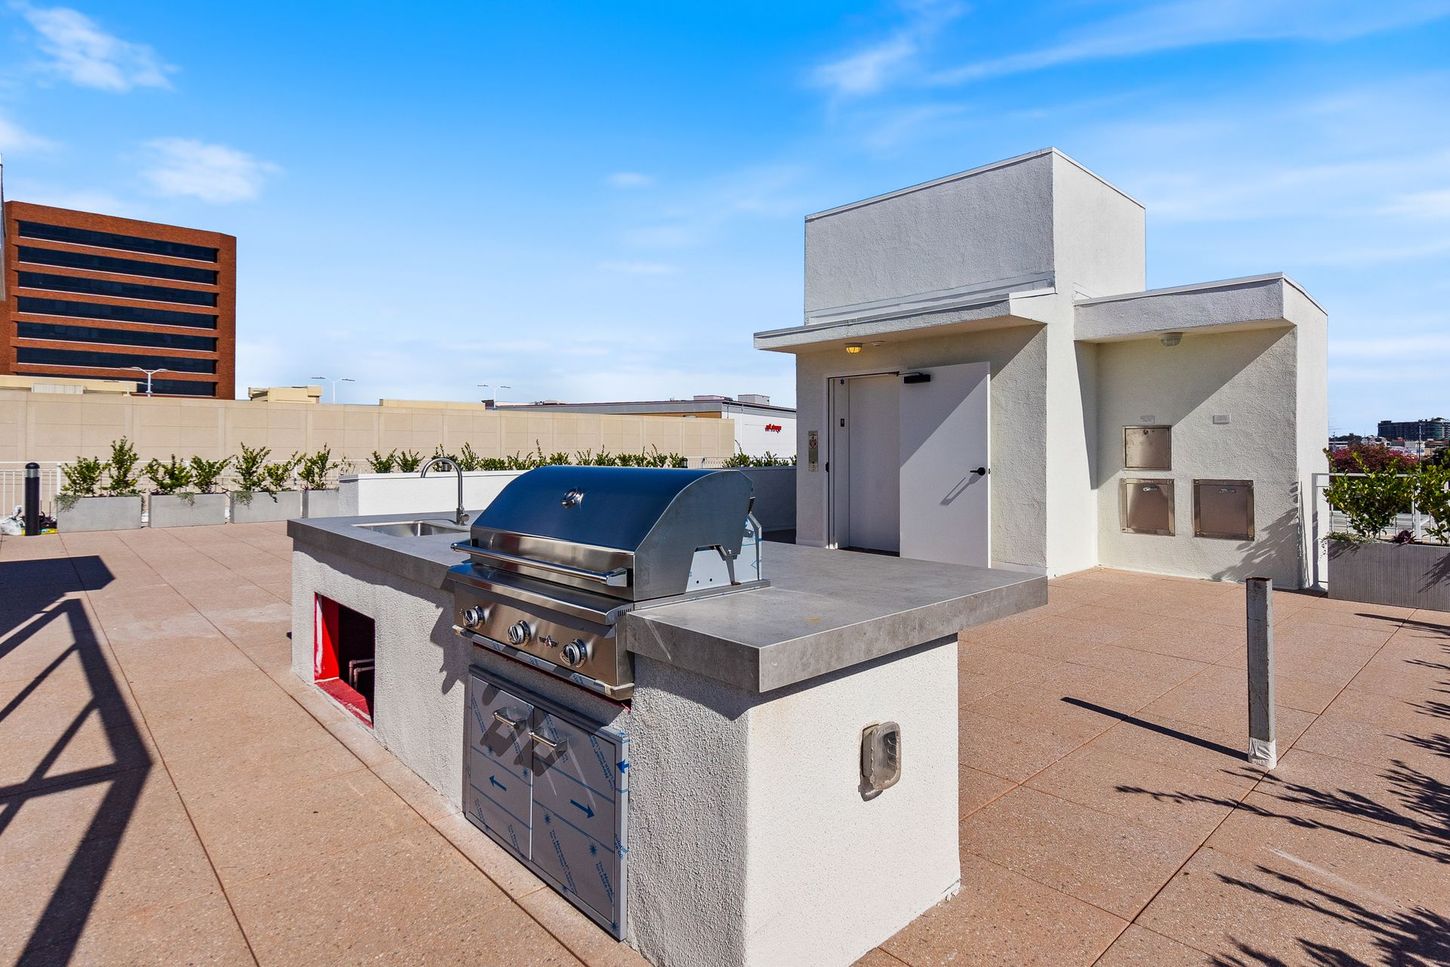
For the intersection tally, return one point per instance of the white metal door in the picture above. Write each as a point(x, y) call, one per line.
point(944, 487)
point(865, 462)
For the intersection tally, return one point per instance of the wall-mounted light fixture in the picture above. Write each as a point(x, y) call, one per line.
point(853, 348)
point(1171, 339)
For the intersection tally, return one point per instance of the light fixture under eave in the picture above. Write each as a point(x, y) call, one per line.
point(1171, 339)
point(853, 348)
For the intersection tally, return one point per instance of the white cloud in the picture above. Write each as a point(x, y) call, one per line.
point(876, 65)
point(184, 167)
point(86, 55)
point(1434, 203)
point(1156, 27)
point(638, 267)
point(15, 138)
point(629, 179)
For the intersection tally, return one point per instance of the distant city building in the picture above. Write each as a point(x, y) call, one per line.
point(760, 427)
point(96, 296)
point(1437, 428)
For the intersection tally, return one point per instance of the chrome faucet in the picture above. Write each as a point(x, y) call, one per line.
point(459, 517)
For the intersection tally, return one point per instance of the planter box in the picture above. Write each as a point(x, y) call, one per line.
point(263, 507)
point(407, 493)
point(774, 500)
point(1403, 575)
point(99, 514)
point(187, 510)
point(321, 503)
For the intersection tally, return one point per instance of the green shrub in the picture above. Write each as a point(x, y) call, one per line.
point(83, 477)
point(1372, 501)
point(408, 461)
point(1432, 497)
point(742, 459)
point(277, 476)
point(250, 467)
point(313, 469)
point(206, 475)
point(122, 469)
point(168, 478)
point(382, 462)
point(468, 458)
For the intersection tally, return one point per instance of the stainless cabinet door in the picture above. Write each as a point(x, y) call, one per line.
point(578, 782)
point(498, 767)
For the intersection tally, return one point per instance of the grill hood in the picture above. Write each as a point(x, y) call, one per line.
point(629, 533)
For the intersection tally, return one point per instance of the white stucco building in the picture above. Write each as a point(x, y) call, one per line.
point(981, 378)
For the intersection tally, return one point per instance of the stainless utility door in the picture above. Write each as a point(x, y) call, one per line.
point(864, 462)
point(945, 485)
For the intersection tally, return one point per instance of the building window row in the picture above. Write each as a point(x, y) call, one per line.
point(123, 290)
point(97, 310)
point(114, 337)
point(128, 243)
point(103, 360)
point(183, 387)
point(107, 263)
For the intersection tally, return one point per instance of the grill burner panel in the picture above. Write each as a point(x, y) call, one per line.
point(563, 552)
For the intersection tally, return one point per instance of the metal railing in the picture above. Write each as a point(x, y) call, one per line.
point(12, 485)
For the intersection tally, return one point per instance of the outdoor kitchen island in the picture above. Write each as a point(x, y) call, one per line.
point(780, 786)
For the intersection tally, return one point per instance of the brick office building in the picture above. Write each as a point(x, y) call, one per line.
point(98, 296)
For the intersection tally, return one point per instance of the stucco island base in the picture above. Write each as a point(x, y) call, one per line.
point(750, 840)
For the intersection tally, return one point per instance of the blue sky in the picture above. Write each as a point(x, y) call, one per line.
point(598, 201)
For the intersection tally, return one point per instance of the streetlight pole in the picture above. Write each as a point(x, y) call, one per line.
point(149, 373)
point(334, 380)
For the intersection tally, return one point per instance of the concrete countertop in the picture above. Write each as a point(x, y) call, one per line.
point(825, 610)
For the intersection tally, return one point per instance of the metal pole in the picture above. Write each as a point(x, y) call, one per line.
point(1263, 745)
point(32, 499)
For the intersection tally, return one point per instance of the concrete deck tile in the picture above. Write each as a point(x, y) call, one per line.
point(493, 860)
point(1209, 752)
point(1410, 714)
point(1055, 637)
point(1185, 637)
point(1378, 860)
point(1042, 705)
point(1140, 664)
point(1140, 947)
point(876, 957)
point(1215, 705)
point(578, 933)
point(1002, 917)
point(1005, 666)
point(1376, 745)
point(1110, 862)
point(100, 880)
point(1169, 800)
point(1011, 750)
point(264, 828)
point(367, 903)
point(1254, 912)
point(197, 931)
point(978, 788)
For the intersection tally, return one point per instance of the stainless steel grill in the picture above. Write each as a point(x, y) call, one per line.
point(563, 552)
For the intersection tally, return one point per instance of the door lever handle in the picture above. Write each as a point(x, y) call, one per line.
point(546, 743)
point(980, 472)
point(502, 719)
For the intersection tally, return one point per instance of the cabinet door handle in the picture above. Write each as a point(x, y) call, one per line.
point(549, 744)
point(502, 719)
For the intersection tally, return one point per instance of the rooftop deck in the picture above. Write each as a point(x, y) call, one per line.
point(170, 792)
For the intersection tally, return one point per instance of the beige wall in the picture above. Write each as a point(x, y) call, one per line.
point(49, 427)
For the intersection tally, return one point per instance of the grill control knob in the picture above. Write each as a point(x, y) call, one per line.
point(576, 653)
point(475, 616)
point(520, 632)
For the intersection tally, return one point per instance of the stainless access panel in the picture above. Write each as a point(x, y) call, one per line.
point(1146, 506)
point(1224, 509)
point(575, 776)
point(498, 766)
point(1147, 448)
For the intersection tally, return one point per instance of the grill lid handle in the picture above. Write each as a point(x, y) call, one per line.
point(617, 578)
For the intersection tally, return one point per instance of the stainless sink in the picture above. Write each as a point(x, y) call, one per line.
point(414, 528)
